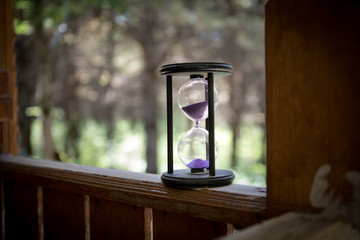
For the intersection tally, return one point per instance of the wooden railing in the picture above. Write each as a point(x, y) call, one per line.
point(43, 199)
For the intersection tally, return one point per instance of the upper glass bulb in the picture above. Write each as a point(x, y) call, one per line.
point(192, 99)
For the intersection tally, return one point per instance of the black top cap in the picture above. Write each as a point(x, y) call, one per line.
point(190, 68)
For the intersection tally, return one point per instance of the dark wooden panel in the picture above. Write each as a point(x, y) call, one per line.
point(5, 96)
point(4, 83)
point(167, 225)
point(21, 210)
point(4, 32)
point(313, 103)
point(7, 63)
point(2, 208)
point(5, 110)
point(115, 220)
point(63, 215)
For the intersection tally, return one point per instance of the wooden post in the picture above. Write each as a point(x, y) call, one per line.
point(8, 123)
point(313, 103)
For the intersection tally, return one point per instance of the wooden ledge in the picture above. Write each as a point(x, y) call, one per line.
point(236, 204)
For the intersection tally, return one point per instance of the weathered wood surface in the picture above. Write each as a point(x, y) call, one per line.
point(114, 220)
point(5, 97)
point(236, 204)
point(63, 214)
point(8, 88)
point(313, 103)
point(297, 226)
point(169, 225)
point(21, 210)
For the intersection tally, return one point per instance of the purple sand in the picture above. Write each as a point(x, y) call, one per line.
point(198, 163)
point(196, 111)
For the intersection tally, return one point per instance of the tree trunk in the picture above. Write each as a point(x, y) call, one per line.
point(27, 74)
point(47, 144)
point(155, 48)
point(236, 103)
point(45, 78)
point(46, 103)
point(263, 126)
point(150, 117)
point(72, 135)
point(235, 137)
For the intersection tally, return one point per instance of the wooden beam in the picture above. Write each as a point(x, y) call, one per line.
point(313, 103)
point(236, 204)
point(8, 107)
point(5, 97)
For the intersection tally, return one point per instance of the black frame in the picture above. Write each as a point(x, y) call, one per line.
point(183, 178)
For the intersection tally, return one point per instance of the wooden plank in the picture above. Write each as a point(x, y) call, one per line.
point(20, 210)
point(2, 219)
point(5, 97)
point(63, 214)
point(7, 63)
point(148, 221)
point(4, 84)
point(167, 225)
point(237, 204)
point(115, 220)
point(3, 33)
point(5, 110)
point(87, 216)
point(4, 136)
point(313, 104)
point(40, 212)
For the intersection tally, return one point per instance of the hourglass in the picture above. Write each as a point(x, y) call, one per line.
point(197, 149)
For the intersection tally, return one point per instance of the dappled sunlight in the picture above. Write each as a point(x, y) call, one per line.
point(129, 154)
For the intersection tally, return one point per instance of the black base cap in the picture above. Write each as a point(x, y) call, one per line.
point(185, 179)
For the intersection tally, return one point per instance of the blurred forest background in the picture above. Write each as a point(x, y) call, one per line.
point(90, 92)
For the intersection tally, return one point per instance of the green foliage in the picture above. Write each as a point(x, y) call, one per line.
point(127, 152)
point(248, 170)
point(36, 138)
point(22, 27)
point(92, 145)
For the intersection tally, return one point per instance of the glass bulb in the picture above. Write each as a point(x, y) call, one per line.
point(192, 99)
point(193, 149)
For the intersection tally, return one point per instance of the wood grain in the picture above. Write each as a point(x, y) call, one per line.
point(116, 220)
point(2, 209)
point(87, 217)
point(63, 214)
point(5, 111)
point(313, 104)
point(40, 212)
point(237, 204)
point(8, 107)
point(169, 225)
point(20, 210)
point(148, 221)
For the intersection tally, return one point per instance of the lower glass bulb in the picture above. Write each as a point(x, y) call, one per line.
point(193, 149)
